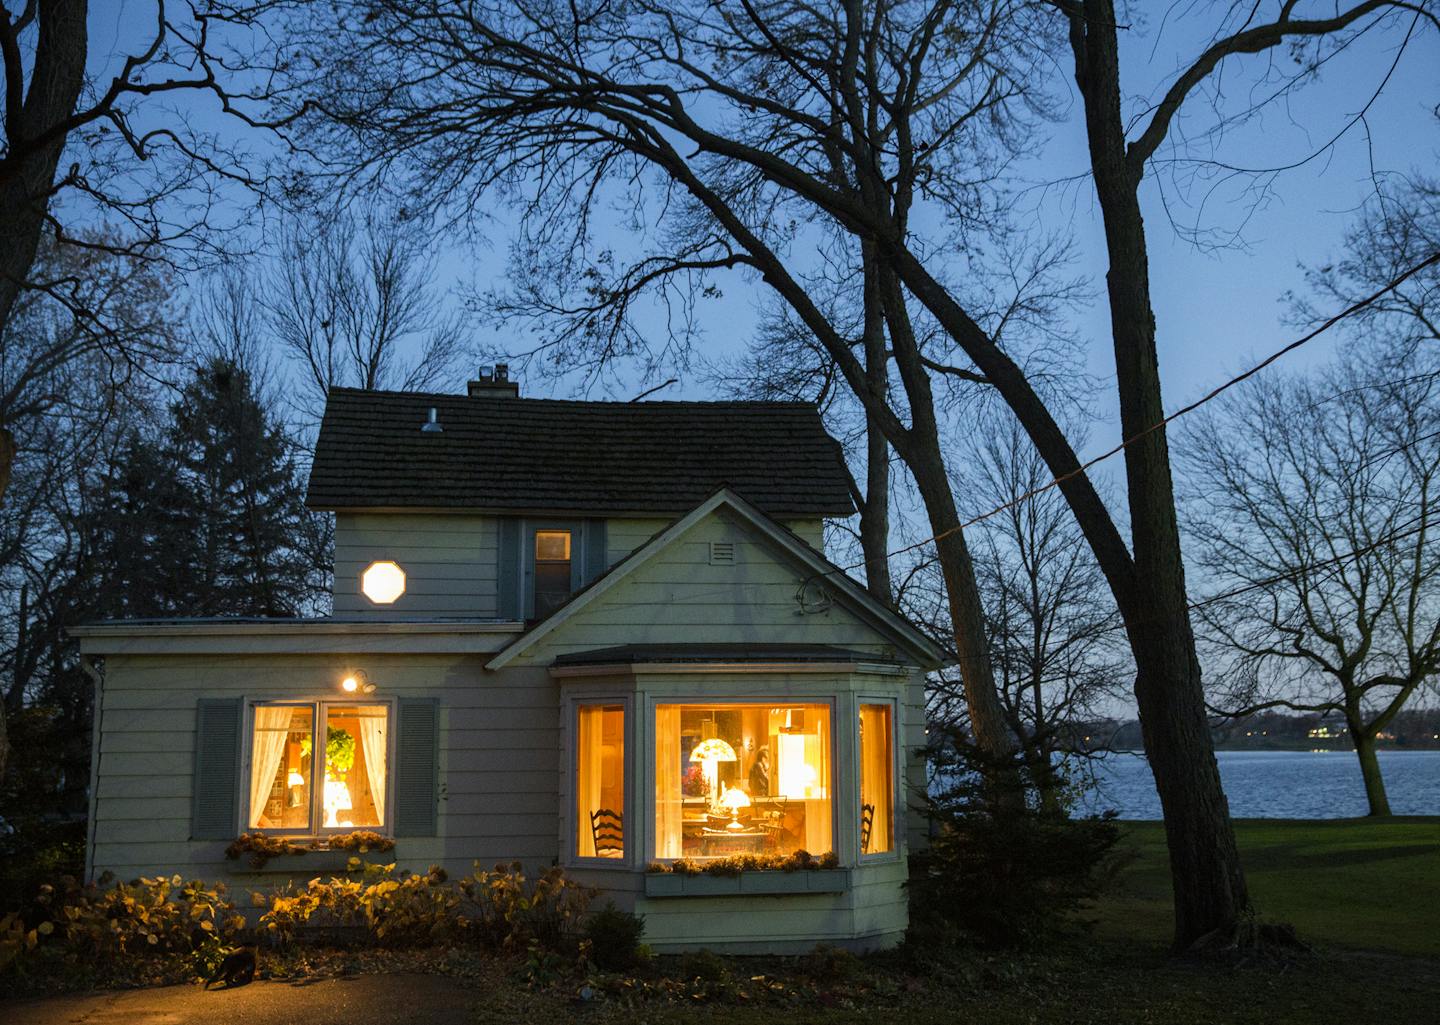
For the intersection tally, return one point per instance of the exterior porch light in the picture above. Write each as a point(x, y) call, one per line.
point(383, 582)
point(357, 681)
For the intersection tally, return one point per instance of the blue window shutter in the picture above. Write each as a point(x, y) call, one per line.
point(595, 558)
point(417, 766)
point(215, 813)
point(508, 571)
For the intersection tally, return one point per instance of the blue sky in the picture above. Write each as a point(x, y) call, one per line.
point(1217, 309)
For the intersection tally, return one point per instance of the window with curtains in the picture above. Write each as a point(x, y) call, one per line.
point(600, 781)
point(742, 778)
point(877, 779)
point(318, 767)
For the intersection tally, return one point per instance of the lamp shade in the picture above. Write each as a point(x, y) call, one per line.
point(735, 799)
point(713, 750)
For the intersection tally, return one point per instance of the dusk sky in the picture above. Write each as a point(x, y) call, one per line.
point(1218, 308)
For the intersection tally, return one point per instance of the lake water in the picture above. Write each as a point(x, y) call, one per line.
point(1281, 784)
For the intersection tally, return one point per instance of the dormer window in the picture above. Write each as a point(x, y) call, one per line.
point(553, 572)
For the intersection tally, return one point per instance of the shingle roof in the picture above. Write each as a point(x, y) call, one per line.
point(510, 454)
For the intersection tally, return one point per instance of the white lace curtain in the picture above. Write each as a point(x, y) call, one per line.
point(272, 729)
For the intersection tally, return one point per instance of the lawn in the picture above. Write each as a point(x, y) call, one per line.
point(1359, 884)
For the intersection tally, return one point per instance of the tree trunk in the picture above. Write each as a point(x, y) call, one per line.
point(993, 738)
point(875, 512)
point(1363, 737)
point(1208, 882)
point(27, 173)
point(7, 460)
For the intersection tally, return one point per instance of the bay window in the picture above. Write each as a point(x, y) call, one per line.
point(742, 778)
point(600, 781)
point(877, 779)
point(318, 767)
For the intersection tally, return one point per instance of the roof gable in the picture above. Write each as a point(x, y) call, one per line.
point(777, 591)
point(595, 458)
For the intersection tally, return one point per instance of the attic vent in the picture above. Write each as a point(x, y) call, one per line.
point(432, 422)
point(722, 553)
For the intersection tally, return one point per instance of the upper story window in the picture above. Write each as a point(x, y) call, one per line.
point(553, 572)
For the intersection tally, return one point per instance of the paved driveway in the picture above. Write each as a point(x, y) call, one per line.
point(359, 1000)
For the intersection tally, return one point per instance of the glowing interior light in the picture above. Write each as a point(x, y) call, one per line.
point(383, 582)
point(337, 799)
point(710, 753)
point(733, 801)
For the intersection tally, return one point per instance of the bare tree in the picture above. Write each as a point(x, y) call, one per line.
point(353, 302)
point(80, 148)
point(1210, 892)
point(1314, 516)
point(1057, 651)
point(1396, 231)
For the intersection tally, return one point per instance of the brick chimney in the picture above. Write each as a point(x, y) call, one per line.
point(494, 384)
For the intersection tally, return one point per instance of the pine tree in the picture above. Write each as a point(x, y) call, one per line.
point(239, 508)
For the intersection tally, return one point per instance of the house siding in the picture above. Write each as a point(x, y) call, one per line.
point(451, 560)
point(498, 738)
point(679, 596)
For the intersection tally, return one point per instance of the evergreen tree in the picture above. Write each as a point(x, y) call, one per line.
point(238, 510)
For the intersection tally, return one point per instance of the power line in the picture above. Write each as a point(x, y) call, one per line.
point(1431, 260)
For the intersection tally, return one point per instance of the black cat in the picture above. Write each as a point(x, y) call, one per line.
point(238, 968)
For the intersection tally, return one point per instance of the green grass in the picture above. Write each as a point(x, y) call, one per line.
point(1349, 883)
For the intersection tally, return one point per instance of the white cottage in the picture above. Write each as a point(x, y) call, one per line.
point(595, 634)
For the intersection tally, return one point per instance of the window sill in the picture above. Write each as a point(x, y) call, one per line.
point(668, 884)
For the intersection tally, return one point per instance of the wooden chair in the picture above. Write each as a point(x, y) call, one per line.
point(608, 830)
point(867, 824)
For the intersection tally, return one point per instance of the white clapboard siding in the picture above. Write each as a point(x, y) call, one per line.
point(677, 596)
point(450, 562)
point(872, 912)
point(498, 747)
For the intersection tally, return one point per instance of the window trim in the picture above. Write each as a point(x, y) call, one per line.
point(570, 820)
point(897, 785)
point(528, 529)
point(837, 777)
point(320, 707)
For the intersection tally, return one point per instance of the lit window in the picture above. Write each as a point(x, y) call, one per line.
point(742, 779)
point(877, 780)
point(293, 790)
point(552, 570)
point(383, 582)
point(600, 782)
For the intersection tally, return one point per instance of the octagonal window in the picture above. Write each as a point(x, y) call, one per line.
point(383, 582)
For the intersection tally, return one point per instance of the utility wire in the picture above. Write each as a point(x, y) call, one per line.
point(1431, 260)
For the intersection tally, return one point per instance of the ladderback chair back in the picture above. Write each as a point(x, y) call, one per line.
point(867, 823)
point(608, 829)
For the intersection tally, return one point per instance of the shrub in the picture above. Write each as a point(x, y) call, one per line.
point(615, 938)
point(504, 912)
point(498, 910)
point(100, 920)
point(1012, 878)
point(34, 851)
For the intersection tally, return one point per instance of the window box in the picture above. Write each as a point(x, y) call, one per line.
point(670, 884)
point(311, 863)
